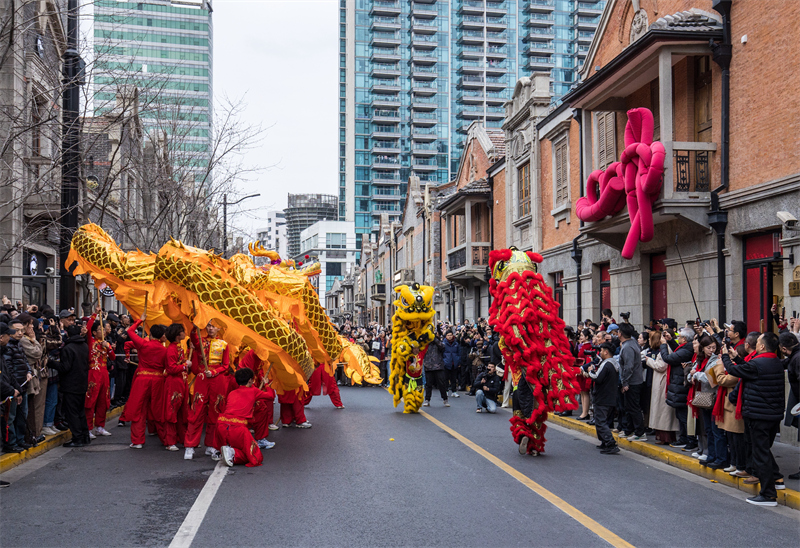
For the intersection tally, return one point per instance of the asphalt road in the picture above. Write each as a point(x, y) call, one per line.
point(344, 482)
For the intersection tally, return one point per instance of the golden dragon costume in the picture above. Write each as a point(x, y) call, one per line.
point(273, 310)
point(535, 348)
point(412, 331)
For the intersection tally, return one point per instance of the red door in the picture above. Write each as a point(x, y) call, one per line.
point(759, 255)
point(658, 286)
point(605, 287)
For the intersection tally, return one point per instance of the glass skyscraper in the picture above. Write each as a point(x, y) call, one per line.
point(414, 74)
point(164, 48)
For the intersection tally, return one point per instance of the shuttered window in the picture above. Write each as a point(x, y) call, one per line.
point(606, 140)
point(561, 190)
point(524, 190)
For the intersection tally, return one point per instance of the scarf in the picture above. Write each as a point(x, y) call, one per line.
point(669, 369)
point(740, 397)
point(719, 404)
point(695, 386)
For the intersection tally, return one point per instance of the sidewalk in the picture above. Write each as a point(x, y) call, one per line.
point(787, 456)
point(11, 460)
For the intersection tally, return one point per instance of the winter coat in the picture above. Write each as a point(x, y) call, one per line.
point(434, 358)
point(496, 355)
point(464, 350)
point(662, 416)
point(764, 387)
point(792, 366)
point(493, 386)
point(606, 387)
point(73, 366)
point(630, 362)
point(726, 383)
point(451, 354)
point(16, 361)
point(677, 389)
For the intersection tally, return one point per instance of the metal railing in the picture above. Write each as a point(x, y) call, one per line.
point(692, 170)
point(457, 259)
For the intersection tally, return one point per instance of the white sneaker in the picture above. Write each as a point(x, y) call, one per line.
point(729, 469)
point(92, 436)
point(265, 443)
point(339, 406)
point(505, 405)
point(426, 403)
point(188, 454)
point(228, 454)
point(210, 451)
point(446, 403)
point(703, 458)
point(274, 427)
point(455, 395)
point(287, 425)
point(135, 446)
point(100, 431)
point(172, 448)
point(215, 455)
point(634, 437)
point(48, 431)
point(697, 455)
point(304, 425)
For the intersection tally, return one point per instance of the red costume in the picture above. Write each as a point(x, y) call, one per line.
point(232, 429)
point(321, 382)
point(264, 410)
point(209, 390)
point(176, 394)
point(147, 391)
point(97, 397)
point(292, 410)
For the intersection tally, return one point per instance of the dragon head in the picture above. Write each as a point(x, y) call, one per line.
point(503, 262)
point(414, 302)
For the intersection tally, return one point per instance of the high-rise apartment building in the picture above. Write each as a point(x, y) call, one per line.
point(414, 74)
point(164, 47)
point(303, 211)
point(273, 235)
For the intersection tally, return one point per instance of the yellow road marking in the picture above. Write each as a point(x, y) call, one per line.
point(561, 504)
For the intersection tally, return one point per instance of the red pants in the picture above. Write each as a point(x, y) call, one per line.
point(97, 398)
point(322, 383)
point(147, 395)
point(262, 418)
point(244, 445)
point(175, 409)
point(207, 403)
point(291, 408)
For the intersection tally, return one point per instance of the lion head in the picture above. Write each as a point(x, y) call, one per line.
point(414, 302)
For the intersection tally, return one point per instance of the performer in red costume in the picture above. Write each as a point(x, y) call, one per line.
point(292, 411)
point(97, 397)
point(147, 391)
point(321, 382)
point(176, 390)
point(263, 412)
point(239, 446)
point(210, 367)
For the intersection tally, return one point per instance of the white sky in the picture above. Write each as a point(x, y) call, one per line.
point(282, 57)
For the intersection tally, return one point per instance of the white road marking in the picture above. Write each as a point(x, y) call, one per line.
point(188, 529)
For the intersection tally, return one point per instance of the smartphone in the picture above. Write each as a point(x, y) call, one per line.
point(783, 312)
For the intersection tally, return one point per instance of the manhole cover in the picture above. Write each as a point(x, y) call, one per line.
point(106, 447)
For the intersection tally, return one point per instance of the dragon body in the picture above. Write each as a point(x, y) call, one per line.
point(535, 348)
point(412, 331)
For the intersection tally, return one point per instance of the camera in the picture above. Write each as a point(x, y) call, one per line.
point(50, 271)
point(789, 221)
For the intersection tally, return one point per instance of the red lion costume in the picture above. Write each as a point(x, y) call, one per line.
point(535, 348)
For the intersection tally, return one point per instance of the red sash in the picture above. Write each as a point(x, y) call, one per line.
point(740, 396)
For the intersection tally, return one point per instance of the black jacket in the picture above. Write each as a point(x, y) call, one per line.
point(16, 362)
point(606, 384)
point(493, 386)
point(464, 350)
point(793, 370)
point(7, 381)
point(434, 358)
point(496, 355)
point(677, 390)
point(763, 381)
point(73, 366)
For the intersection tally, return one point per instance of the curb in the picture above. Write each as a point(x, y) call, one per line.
point(12, 460)
point(786, 497)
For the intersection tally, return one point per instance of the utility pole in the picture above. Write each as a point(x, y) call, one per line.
point(225, 204)
point(70, 152)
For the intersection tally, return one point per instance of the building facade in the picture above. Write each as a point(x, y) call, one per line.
point(333, 244)
point(303, 211)
point(415, 75)
point(164, 48)
point(273, 235)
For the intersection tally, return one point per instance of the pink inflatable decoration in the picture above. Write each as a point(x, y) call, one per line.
point(635, 179)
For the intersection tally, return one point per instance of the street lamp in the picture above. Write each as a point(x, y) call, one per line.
point(225, 204)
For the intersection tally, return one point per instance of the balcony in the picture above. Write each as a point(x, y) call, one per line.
point(421, 104)
point(470, 51)
point(424, 73)
point(496, 37)
point(386, 193)
point(468, 261)
point(423, 26)
point(385, 39)
point(424, 118)
point(540, 63)
point(471, 113)
point(423, 134)
point(360, 300)
point(385, 7)
point(495, 113)
point(385, 101)
point(386, 162)
point(385, 54)
point(688, 195)
point(471, 96)
point(424, 41)
point(424, 149)
point(588, 23)
point(382, 69)
point(585, 36)
point(535, 48)
point(424, 88)
point(471, 81)
point(496, 8)
point(419, 57)
point(385, 23)
point(385, 86)
point(426, 166)
point(404, 276)
point(540, 6)
point(590, 8)
point(496, 67)
point(541, 20)
point(385, 149)
point(472, 22)
point(385, 132)
point(378, 292)
point(423, 10)
point(496, 23)
point(386, 117)
point(471, 36)
point(539, 34)
point(496, 52)
point(471, 67)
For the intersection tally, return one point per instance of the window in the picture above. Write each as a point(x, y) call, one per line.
point(561, 173)
point(336, 241)
point(606, 140)
point(524, 190)
point(558, 292)
point(605, 286)
point(658, 286)
point(333, 269)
